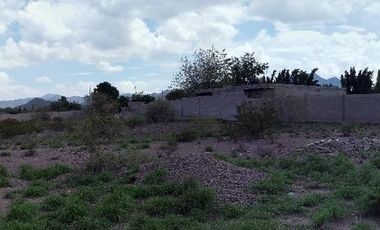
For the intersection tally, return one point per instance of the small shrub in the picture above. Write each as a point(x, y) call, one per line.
point(186, 135)
point(73, 209)
point(232, 211)
point(116, 206)
point(11, 128)
point(369, 202)
point(21, 211)
point(209, 149)
point(30, 148)
point(160, 111)
point(5, 154)
point(312, 200)
point(275, 184)
point(29, 173)
point(198, 199)
point(160, 206)
point(35, 190)
point(4, 182)
point(254, 121)
point(348, 129)
point(57, 124)
point(135, 121)
point(53, 203)
point(364, 226)
point(3, 171)
point(329, 211)
point(156, 177)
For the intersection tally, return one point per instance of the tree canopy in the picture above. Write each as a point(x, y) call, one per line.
point(357, 83)
point(107, 89)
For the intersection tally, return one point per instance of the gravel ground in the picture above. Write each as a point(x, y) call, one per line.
point(231, 183)
point(357, 149)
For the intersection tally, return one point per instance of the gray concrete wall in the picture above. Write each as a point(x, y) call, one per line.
point(362, 108)
point(324, 108)
point(295, 104)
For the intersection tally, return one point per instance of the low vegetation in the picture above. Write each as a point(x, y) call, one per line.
point(109, 190)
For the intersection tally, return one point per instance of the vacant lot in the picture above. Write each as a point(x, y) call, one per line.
point(188, 175)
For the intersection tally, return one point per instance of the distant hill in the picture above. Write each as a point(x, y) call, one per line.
point(333, 81)
point(14, 103)
point(35, 104)
point(47, 97)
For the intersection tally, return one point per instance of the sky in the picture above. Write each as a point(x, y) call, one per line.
point(68, 46)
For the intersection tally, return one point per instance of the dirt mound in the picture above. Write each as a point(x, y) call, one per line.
point(350, 146)
point(231, 183)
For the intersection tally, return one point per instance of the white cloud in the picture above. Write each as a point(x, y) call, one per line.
point(4, 78)
point(332, 54)
point(331, 34)
point(9, 91)
point(43, 79)
point(107, 67)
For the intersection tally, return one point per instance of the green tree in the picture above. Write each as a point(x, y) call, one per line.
point(246, 70)
point(107, 89)
point(208, 68)
point(296, 77)
point(123, 101)
point(376, 89)
point(360, 83)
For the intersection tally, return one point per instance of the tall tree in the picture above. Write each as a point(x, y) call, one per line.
point(207, 69)
point(376, 89)
point(246, 70)
point(296, 77)
point(360, 83)
point(107, 89)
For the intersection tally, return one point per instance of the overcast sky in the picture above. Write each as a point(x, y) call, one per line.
point(65, 46)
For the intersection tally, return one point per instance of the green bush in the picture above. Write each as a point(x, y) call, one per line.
point(73, 209)
point(197, 199)
point(116, 206)
point(53, 203)
point(10, 128)
point(22, 211)
point(253, 121)
point(4, 182)
point(176, 94)
point(135, 121)
point(35, 190)
point(5, 154)
point(29, 173)
point(186, 135)
point(3, 171)
point(275, 184)
point(156, 177)
point(329, 211)
point(160, 206)
point(160, 111)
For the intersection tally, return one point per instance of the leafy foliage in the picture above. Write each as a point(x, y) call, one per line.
point(176, 94)
point(160, 111)
point(296, 77)
point(254, 121)
point(360, 83)
point(141, 97)
point(107, 89)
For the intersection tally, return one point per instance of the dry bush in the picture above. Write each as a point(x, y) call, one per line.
point(96, 132)
point(160, 111)
point(253, 121)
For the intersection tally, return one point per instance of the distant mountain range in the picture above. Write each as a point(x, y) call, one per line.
point(323, 81)
point(44, 100)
